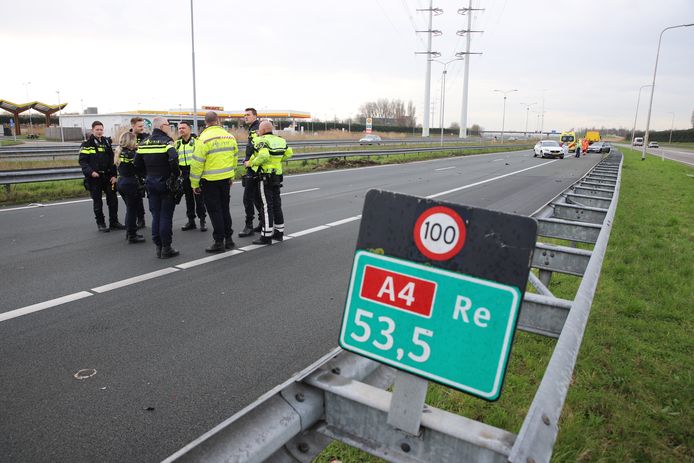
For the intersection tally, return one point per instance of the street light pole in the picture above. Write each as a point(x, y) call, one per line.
point(672, 124)
point(62, 135)
point(637, 113)
point(84, 131)
point(527, 113)
point(650, 104)
point(503, 117)
point(443, 89)
point(192, 41)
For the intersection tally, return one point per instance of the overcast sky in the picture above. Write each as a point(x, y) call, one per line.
point(587, 58)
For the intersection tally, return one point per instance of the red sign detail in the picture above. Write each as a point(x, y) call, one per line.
point(456, 246)
point(398, 291)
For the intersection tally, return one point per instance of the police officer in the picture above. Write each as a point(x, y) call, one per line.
point(185, 145)
point(96, 161)
point(128, 184)
point(157, 159)
point(271, 150)
point(250, 181)
point(212, 173)
point(137, 126)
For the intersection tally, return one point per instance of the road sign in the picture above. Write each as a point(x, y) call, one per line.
point(369, 124)
point(436, 288)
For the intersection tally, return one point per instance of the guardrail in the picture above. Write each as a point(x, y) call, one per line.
point(12, 177)
point(338, 398)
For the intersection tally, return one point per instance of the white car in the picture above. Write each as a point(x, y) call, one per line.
point(548, 148)
point(370, 140)
point(653, 144)
point(638, 141)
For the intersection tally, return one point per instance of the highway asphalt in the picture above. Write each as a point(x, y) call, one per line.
point(131, 368)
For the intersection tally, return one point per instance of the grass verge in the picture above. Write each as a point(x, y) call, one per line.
point(633, 389)
point(51, 191)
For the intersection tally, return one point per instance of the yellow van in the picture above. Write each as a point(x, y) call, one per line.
point(570, 138)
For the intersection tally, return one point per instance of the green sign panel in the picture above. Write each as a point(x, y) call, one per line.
point(448, 327)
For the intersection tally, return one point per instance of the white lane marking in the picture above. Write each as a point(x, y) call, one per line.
point(251, 247)
point(35, 205)
point(464, 187)
point(343, 221)
point(308, 231)
point(204, 260)
point(299, 191)
point(446, 168)
point(497, 160)
point(43, 305)
point(133, 280)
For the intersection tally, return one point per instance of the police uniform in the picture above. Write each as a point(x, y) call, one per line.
point(271, 150)
point(194, 203)
point(212, 169)
point(96, 155)
point(250, 182)
point(129, 189)
point(157, 159)
point(140, 204)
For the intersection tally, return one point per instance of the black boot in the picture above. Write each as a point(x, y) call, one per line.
point(247, 231)
point(203, 225)
point(159, 252)
point(135, 238)
point(258, 229)
point(189, 226)
point(102, 227)
point(117, 225)
point(263, 240)
point(168, 251)
point(229, 244)
point(140, 223)
point(217, 246)
point(278, 236)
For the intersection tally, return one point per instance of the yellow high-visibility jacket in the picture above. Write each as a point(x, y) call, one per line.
point(270, 151)
point(215, 156)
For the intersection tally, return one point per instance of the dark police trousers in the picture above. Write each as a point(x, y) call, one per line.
point(127, 187)
point(96, 187)
point(161, 205)
point(249, 203)
point(216, 195)
point(269, 202)
point(195, 204)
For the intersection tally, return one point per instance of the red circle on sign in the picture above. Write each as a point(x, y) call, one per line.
point(433, 242)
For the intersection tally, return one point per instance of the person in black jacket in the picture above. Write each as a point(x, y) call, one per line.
point(157, 159)
point(128, 184)
point(137, 126)
point(96, 161)
point(250, 180)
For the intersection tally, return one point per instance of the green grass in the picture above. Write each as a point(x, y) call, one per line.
point(632, 395)
point(50, 191)
point(10, 142)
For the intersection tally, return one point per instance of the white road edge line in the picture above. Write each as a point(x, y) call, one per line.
point(35, 206)
point(343, 221)
point(133, 280)
point(43, 305)
point(204, 260)
point(446, 168)
point(464, 187)
point(308, 231)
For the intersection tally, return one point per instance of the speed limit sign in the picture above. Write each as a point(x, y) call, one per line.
point(439, 233)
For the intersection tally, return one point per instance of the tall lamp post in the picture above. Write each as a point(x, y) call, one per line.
point(672, 125)
point(650, 104)
point(443, 89)
point(637, 113)
point(62, 135)
point(192, 41)
point(503, 117)
point(527, 113)
point(84, 131)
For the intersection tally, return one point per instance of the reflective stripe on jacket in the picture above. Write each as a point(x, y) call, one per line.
point(215, 156)
point(270, 151)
